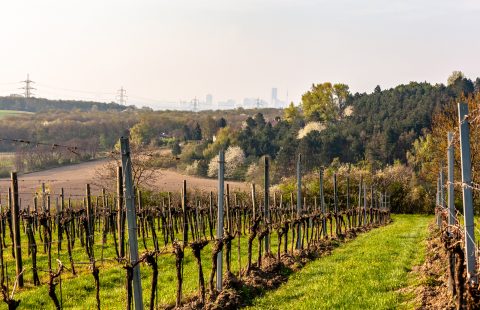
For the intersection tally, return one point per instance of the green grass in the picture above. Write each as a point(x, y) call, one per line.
point(4, 113)
point(357, 275)
point(366, 273)
point(79, 291)
point(6, 163)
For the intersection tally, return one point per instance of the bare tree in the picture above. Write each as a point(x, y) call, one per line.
point(144, 174)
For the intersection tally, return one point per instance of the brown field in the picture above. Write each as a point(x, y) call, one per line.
point(73, 179)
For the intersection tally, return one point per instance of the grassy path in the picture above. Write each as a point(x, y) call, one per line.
point(366, 273)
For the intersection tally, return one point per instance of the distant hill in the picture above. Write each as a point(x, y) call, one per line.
point(42, 104)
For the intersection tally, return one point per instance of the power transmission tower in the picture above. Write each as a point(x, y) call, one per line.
point(27, 89)
point(122, 96)
point(195, 104)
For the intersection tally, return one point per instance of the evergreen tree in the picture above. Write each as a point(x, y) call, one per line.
point(221, 123)
point(197, 133)
point(176, 149)
point(187, 134)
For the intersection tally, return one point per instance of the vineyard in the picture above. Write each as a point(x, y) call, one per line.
point(457, 225)
point(214, 249)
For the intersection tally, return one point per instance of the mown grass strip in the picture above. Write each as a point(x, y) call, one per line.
point(366, 273)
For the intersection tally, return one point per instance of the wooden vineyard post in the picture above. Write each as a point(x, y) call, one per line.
point(364, 204)
point(322, 204)
point(467, 191)
point(120, 214)
point(16, 230)
point(360, 201)
point(348, 191)
point(451, 207)
point(59, 224)
point(131, 221)
point(184, 211)
point(266, 209)
point(90, 220)
point(372, 200)
point(221, 163)
point(35, 208)
point(227, 209)
point(43, 198)
point(299, 200)
point(210, 218)
point(254, 199)
point(335, 204)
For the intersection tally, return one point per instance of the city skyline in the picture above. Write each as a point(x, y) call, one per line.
point(164, 51)
point(28, 90)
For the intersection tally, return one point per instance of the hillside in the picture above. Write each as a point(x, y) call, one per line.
point(41, 104)
point(380, 129)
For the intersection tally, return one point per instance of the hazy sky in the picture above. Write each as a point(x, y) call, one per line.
point(172, 50)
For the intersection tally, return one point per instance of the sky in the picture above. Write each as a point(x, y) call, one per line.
point(163, 51)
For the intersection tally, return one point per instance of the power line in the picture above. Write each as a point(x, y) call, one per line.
point(76, 90)
point(73, 149)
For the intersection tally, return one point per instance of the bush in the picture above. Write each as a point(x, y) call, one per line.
point(234, 164)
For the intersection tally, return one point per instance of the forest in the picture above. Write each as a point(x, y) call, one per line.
point(373, 131)
point(20, 103)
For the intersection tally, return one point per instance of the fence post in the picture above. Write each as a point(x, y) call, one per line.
point(437, 213)
point(90, 220)
point(348, 191)
point(16, 230)
point(59, 224)
point(441, 193)
point(322, 204)
point(387, 201)
point(467, 191)
point(267, 202)
point(185, 216)
point(299, 199)
point(335, 204)
point(364, 204)
point(44, 206)
point(254, 202)
point(120, 214)
point(371, 204)
point(132, 221)
point(451, 206)
point(451, 191)
point(360, 201)
point(227, 208)
point(221, 166)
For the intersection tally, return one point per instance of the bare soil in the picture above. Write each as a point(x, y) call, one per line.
point(433, 293)
point(73, 179)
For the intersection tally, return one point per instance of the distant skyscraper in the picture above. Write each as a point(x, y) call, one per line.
point(274, 97)
point(209, 100)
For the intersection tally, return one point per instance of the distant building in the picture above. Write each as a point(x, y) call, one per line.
point(229, 104)
point(209, 100)
point(274, 100)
